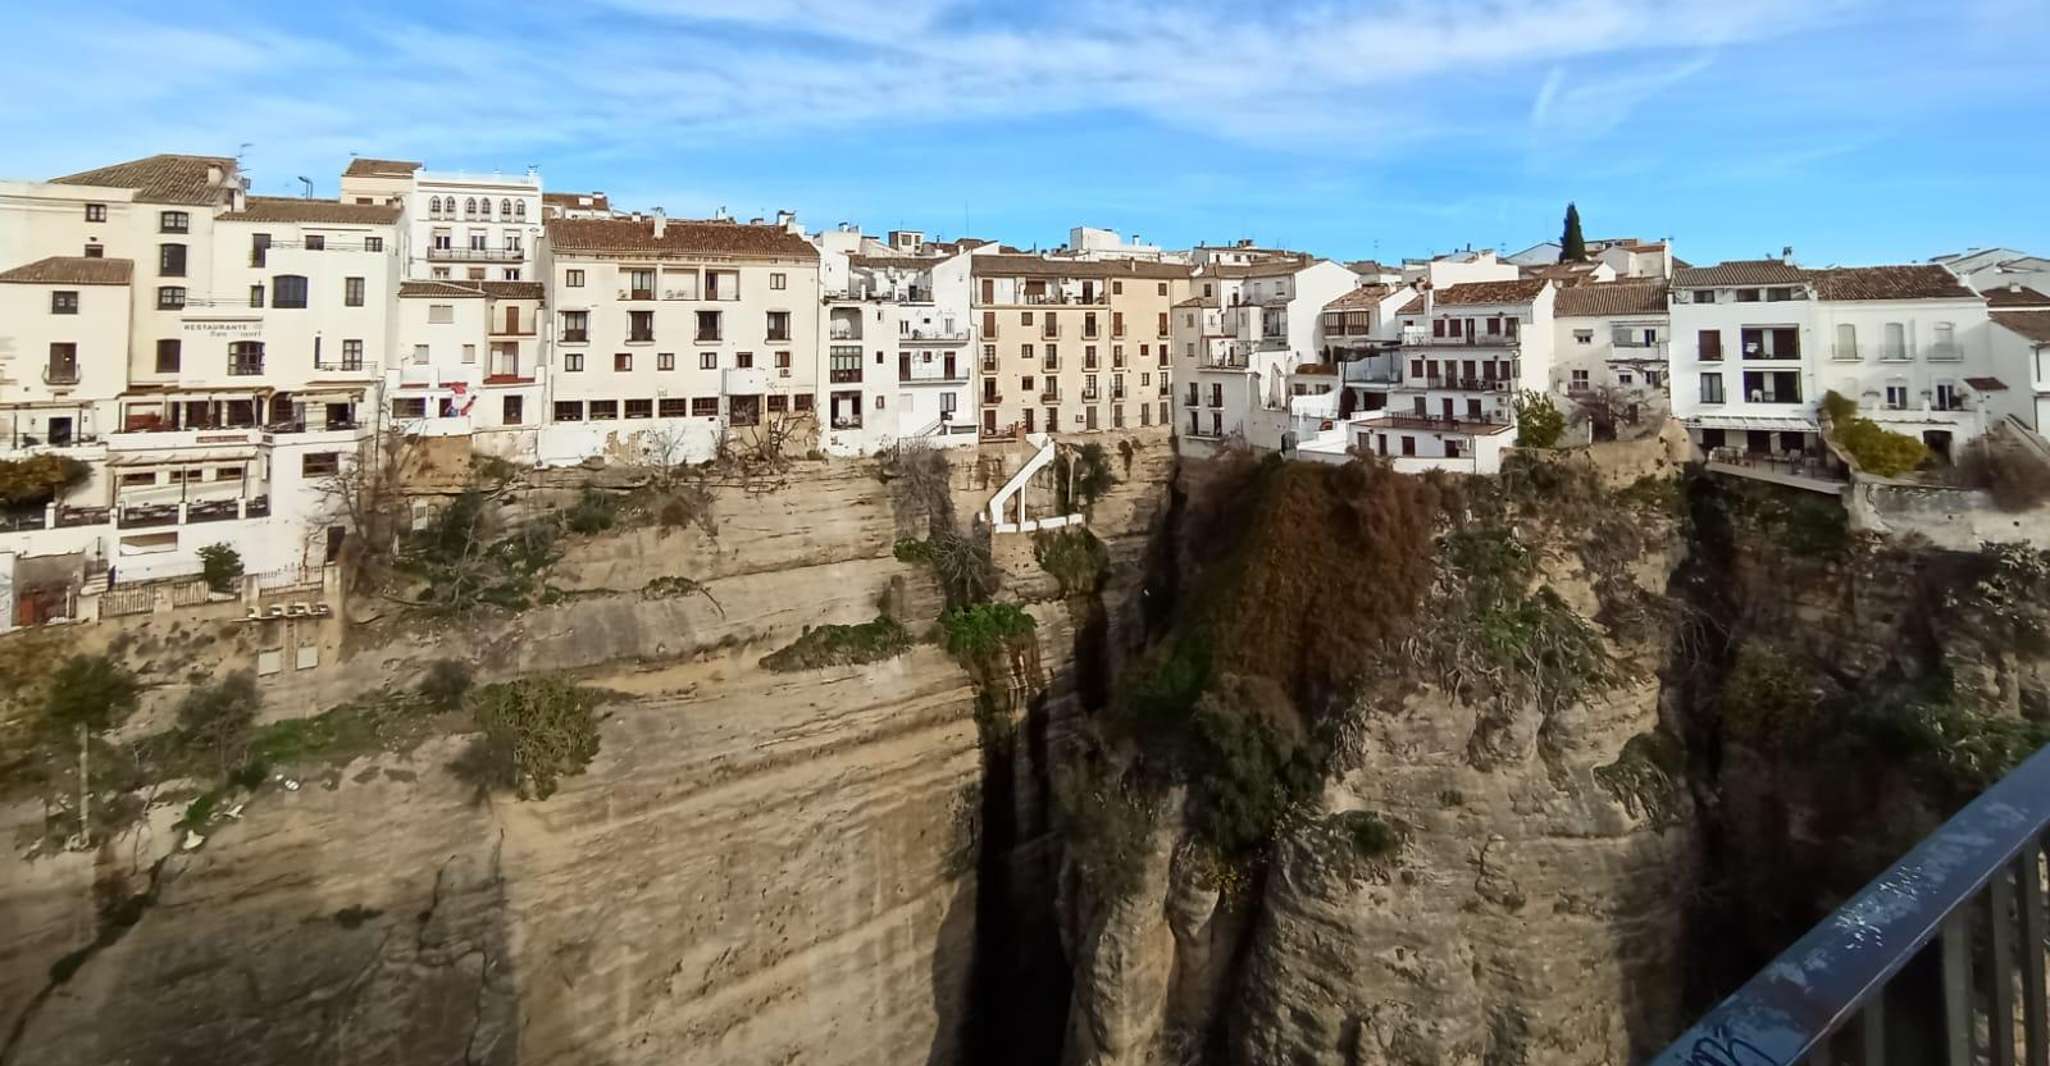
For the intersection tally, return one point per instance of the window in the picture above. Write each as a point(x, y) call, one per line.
point(519, 209)
point(708, 326)
point(1580, 382)
point(1583, 336)
point(170, 352)
point(1711, 388)
point(441, 314)
point(1747, 296)
point(1623, 377)
point(779, 326)
point(640, 284)
point(1948, 398)
point(174, 222)
point(409, 407)
point(259, 249)
point(783, 363)
point(573, 279)
point(640, 327)
point(665, 360)
point(479, 240)
point(1711, 345)
point(171, 260)
point(779, 281)
point(316, 242)
point(569, 410)
point(1896, 397)
point(318, 464)
point(352, 292)
point(708, 360)
point(245, 358)
point(572, 362)
point(352, 355)
point(470, 206)
point(95, 251)
point(469, 354)
point(576, 326)
point(604, 410)
point(512, 410)
point(373, 244)
point(504, 208)
point(288, 290)
point(622, 361)
point(677, 408)
point(1893, 343)
point(640, 408)
point(1776, 342)
point(256, 296)
point(96, 212)
point(780, 403)
point(744, 360)
point(1778, 295)
point(1945, 343)
point(63, 366)
point(170, 298)
point(704, 407)
point(64, 302)
point(420, 355)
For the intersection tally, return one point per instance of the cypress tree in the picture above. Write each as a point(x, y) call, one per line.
point(1572, 246)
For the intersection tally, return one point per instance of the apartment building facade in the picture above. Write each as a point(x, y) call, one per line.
point(458, 226)
point(1757, 343)
point(2020, 336)
point(1468, 351)
point(471, 362)
point(682, 330)
point(1611, 339)
point(1071, 345)
point(1239, 336)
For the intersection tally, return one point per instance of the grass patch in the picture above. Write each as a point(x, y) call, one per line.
point(534, 732)
point(1372, 836)
point(841, 645)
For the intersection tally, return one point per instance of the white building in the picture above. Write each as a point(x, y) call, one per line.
point(459, 226)
point(1987, 269)
point(2020, 336)
point(1757, 343)
point(1089, 242)
point(1459, 268)
point(678, 331)
point(1612, 337)
point(1238, 337)
point(1360, 334)
point(576, 205)
point(472, 362)
point(901, 354)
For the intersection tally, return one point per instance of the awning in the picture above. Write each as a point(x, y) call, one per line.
point(1986, 384)
point(1765, 423)
point(182, 457)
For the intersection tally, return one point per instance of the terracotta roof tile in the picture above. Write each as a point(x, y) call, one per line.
point(1489, 292)
point(2035, 325)
point(1611, 298)
point(998, 265)
point(71, 270)
point(1739, 272)
point(296, 209)
point(513, 290)
point(380, 168)
point(896, 262)
point(160, 179)
point(444, 289)
point(595, 201)
point(2018, 296)
point(630, 237)
point(1362, 298)
point(1413, 307)
point(1923, 282)
point(1266, 268)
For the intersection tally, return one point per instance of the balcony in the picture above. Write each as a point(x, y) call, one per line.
point(338, 366)
point(1842, 352)
point(476, 255)
point(1463, 384)
point(934, 335)
point(1362, 372)
point(1050, 396)
point(841, 331)
point(1273, 343)
point(1063, 299)
point(245, 367)
point(1945, 352)
point(1478, 340)
point(1091, 395)
point(1638, 349)
point(576, 336)
point(1486, 422)
point(60, 374)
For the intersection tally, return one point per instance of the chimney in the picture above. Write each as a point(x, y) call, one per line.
point(1787, 254)
point(2014, 286)
point(661, 223)
point(785, 218)
point(213, 174)
point(721, 215)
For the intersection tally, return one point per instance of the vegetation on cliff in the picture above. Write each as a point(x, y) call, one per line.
point(840, 645)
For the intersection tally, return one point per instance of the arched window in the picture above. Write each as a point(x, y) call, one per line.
point(520, 209)
point(434, 206)
point(469, 207)
point(484, 207)
point(505, 208)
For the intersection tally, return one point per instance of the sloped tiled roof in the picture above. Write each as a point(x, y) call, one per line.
point(159, 179)
point(444, 289)
point(380, 168)
point(626, 236)
point(2035, 325)
point(896, 262)
point(1362, 298)
point(296, 209)
point(513, 290)
point(1265, 268)
point(1611, 298)
point(592, 201)
point(1923, 282)
point(997, 265)
point(2018, 296)
point(1489, 292)
point(1564, 273)
point(71, 270)
point(1739, 272)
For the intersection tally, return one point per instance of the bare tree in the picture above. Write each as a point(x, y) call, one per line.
point(366, 496)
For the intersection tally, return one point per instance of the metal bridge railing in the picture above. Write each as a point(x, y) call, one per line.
point(1976, 888)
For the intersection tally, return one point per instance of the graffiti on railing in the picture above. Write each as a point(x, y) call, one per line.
point(1722, 1049)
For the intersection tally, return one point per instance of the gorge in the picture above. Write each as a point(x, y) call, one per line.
point(1294, 763)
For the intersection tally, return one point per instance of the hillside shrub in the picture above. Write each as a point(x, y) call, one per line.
point(446, 683)
point(1539, 422)
point(1875, 449)
point(1074, 557)
point(219, 719)
point(1769, 700)
point(221, 566)
point(1372, 836)
point(534, 732)
point(594, 512)
point(981, 632)
point(93, 692)
point(841, 645)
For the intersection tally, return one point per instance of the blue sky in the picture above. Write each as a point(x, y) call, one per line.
point(1854, 130)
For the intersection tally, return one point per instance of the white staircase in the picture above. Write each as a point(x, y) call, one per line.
point(1000, 518)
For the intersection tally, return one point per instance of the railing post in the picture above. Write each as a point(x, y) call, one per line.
point(2000, 904)
point(1873, 1025)
point(1957, 987)
point(2035, 1005)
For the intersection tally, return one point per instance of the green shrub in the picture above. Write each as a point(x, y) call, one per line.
point(1081, 477)
point(221, 565)
point(92, 691)
point(200, 811)
point(1769, 700)
point(594, 512)
point(38, 479)
point(1372, 836)
point(1875, 449)
point(1107, 828)
point(912, 550)
point(980, 633)
point(1074, 557)
point(1838, 407)
point(218, 719)
point(446, 682)
point(1539, 422)
point(840, 645)
point(535, 731)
